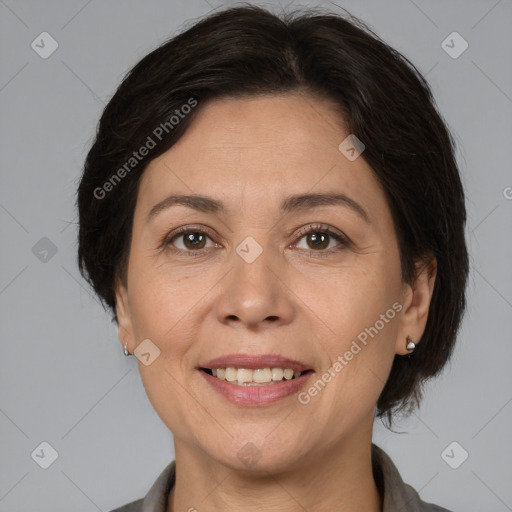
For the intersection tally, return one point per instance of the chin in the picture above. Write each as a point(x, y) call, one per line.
point(259, 455)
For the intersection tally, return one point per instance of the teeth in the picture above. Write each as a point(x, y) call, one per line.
point(261, 375)
point(244, 376)
point(248, 377)
point(231, 374)
point(277, 374)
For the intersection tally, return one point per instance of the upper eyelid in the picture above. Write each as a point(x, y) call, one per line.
point(320, 228)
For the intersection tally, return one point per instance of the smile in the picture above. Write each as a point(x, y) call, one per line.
point(256, 377)
point(251, 393)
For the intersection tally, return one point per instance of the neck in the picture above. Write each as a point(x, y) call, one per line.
point(337, 479)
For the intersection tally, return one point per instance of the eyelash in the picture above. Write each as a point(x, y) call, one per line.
point(313, 228)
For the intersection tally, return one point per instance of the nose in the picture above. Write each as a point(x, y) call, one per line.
point(254, 293)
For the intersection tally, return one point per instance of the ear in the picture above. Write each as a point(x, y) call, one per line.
point(416, 304)
point(124, 319)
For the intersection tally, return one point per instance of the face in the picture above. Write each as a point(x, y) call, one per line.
point(293, 253)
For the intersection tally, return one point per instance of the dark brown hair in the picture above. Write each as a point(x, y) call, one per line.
point(385, 102)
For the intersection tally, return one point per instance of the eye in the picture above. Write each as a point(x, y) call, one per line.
point(319, 238)
point(188, 239)
point(193, 241)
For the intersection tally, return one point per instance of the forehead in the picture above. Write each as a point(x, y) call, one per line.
point(258, 150)
point(260, 119)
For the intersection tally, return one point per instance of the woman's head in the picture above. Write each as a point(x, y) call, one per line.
point(261, 117)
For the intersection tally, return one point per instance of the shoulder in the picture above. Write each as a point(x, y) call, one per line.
point(397, 495)
point(430, 507)
point(134, 506)
point(156, 498)
point(417, 504)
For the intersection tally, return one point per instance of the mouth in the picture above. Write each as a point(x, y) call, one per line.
point(255, 380)
point(251, 380)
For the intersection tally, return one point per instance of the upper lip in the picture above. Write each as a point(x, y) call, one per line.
point(255, 361)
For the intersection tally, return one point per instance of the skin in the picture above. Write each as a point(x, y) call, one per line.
point(251, 153)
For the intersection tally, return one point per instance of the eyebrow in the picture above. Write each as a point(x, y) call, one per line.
point(294, 203)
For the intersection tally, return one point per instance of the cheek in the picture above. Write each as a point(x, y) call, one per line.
point(357, 310)
point(159, 301)
point(159, 308)
point(349, 297)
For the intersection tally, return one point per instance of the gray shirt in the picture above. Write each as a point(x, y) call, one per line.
point(397, 496)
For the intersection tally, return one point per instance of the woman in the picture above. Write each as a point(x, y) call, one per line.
point(273, 212)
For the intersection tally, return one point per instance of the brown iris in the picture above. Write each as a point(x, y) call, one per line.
point(195, 239)
point(319, 240)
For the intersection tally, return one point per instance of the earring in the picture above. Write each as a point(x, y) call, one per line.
point(410, 344)
point(125, 350)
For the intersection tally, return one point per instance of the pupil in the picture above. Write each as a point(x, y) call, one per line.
point(319, 238)
point(190, 240)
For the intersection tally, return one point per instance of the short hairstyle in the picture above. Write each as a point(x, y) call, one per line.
point(383, 100)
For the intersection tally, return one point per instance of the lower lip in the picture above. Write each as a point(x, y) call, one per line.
point(256, 395)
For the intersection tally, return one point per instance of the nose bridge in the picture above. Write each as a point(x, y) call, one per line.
point(253, 291)
point(253, 259)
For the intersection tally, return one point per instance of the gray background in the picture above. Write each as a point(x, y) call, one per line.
point(64, 379)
